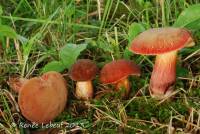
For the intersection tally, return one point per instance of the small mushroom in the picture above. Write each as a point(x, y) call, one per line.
point(43, 98)
point(165, 43)
point(83, 71)
point(117, 72)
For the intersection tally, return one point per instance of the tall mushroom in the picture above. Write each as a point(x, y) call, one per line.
point(163, 42)
point(43, 98)
point(117, 72)
point(83, 71)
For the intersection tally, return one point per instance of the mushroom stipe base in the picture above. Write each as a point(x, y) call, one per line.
point(164, 74)
point(84, 90)
point(123, 84)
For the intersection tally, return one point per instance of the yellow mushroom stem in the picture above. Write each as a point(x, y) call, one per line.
point(84, 90)
point(123, 84)
point(164, 75)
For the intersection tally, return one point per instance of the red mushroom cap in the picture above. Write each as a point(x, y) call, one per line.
point(160, 40)
point(117, 70)
point(83, 70)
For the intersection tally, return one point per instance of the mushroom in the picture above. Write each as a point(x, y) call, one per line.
point(117, 72)
point(163, 42)
point(83, 71)
point(43, 98)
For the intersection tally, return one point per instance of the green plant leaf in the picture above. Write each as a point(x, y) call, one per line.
point(134, 30)
point(70, 52)
point(69, 11)
point(54, 66)
point(7, 31)
point(189, 18)
point(127, 54)
point(140, 2)
point(105, 46)
point(1, 10)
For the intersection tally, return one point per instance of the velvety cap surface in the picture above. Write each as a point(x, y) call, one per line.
point(41, 99)
point(160, 40)
point(117, 70)
point(83, 70)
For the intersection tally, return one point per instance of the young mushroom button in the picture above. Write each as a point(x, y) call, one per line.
point(83, 71)
point(117, 72)
point(163, 42)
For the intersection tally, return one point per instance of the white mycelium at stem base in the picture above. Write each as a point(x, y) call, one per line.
point(84, 90)
point(163, 75)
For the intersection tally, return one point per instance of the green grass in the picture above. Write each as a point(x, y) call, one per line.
point(45, 26)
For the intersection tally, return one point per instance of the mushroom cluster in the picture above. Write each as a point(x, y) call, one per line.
point(43, 98)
